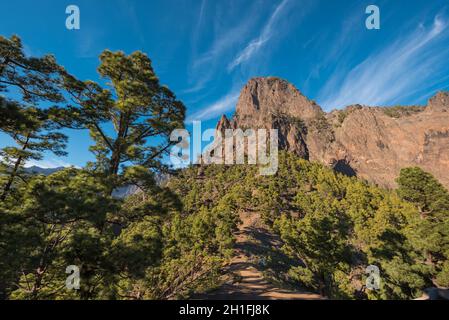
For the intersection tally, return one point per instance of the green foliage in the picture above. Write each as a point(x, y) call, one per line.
point(320, 241)
point(423, 190)
point(342, 114)
point(332, 225)
point(171, 241)
point(57, 219)
point(429, 230)
point(134, 104)
point(123, 250)
point(35, 135)
point(37, 79)
point(147, 246)
point(33, 130)
point(338, 226)
point(401, 111)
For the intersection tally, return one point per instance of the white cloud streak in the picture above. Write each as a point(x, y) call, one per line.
point(409, 63)
point(217, 108)
point(254, 45)
point(221, 45)
point(204, 66)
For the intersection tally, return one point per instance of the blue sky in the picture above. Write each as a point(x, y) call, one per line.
point(205, 50)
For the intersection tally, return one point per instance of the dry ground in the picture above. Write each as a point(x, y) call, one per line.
point(244, 276)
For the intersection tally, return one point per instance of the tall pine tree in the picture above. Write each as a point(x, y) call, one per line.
point(131, 120)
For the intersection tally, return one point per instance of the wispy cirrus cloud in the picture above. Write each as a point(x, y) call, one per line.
point(257, 43)
point(225, 43)
point(205, 65)
point(408, 65)
point(331, 47)
point(217, 108)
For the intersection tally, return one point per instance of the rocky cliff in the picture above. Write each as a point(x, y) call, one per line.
point(373, 143)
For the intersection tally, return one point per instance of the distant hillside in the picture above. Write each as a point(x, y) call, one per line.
point(118, 193)
point(44, 171)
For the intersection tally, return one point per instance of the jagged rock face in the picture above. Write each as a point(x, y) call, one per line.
point(266, 98)
point(378, 145)
point(373, 143)
point(439, 103)
point(273, 103)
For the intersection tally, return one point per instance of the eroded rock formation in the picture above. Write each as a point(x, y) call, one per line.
point(373, 143)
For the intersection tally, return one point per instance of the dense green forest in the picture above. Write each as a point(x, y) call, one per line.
point(333, 226)
point(134, 248)
point(172, 239)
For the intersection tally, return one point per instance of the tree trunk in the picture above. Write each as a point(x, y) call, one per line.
point(118, 147)
point(8, 185)
point(115, 162)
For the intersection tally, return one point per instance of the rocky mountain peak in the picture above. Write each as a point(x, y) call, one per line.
point(374, 143)
point(223, 124)
point(262, 98)
point(439, 102)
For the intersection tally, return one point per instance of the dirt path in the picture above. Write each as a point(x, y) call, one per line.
point(246, 280)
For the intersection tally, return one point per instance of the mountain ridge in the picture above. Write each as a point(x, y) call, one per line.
point(373, 143)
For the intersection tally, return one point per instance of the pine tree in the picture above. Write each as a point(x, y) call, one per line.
point(37, 79)
point(423, 190)
point(138, 108)
point(33, 134)
point(429, 232)
point(60, 222)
